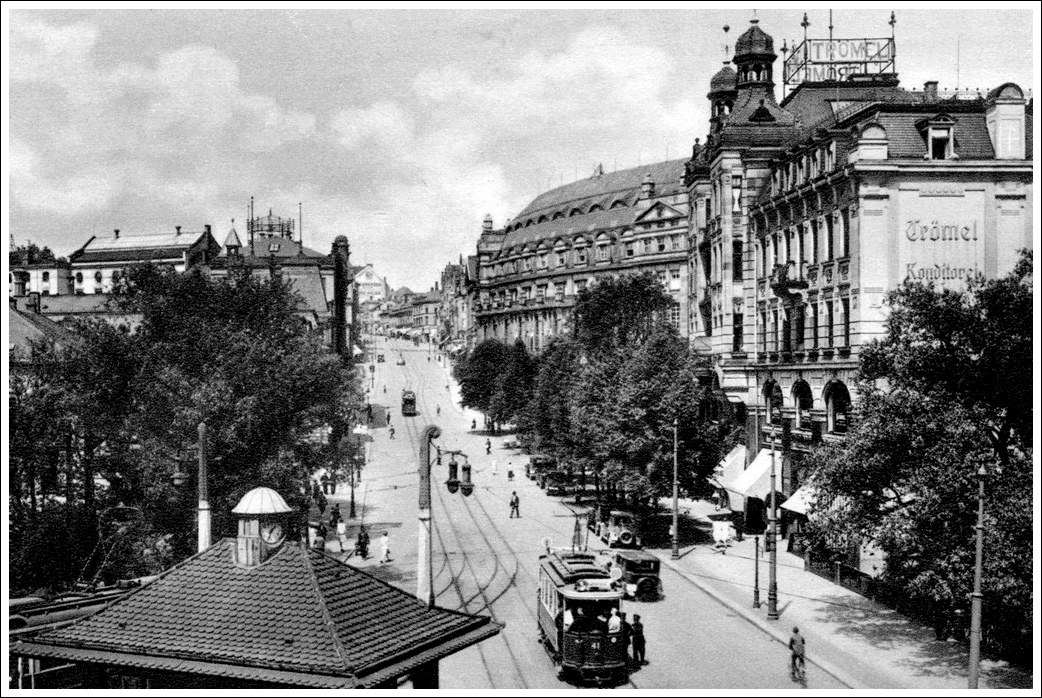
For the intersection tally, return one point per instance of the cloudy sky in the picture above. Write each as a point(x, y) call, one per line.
point(400, 129)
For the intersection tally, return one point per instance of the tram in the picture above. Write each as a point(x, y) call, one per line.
point(408, 403)
point(575, 589)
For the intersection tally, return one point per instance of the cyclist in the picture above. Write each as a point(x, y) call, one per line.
point(797, 648)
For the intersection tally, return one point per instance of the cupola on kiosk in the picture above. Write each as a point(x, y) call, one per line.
point(262, 516)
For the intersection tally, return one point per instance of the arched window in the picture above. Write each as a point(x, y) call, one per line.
point(79, 277)
point(46, 277)
point(772, 397)
point(837, 406)
point(97, 277)
point(802, 399)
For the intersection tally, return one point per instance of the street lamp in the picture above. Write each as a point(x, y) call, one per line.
point(756, 572)
point(772, 542)
point(977, 597)
point(180, 477)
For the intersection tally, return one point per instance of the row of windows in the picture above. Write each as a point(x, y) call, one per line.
point(803, 169)
point(581, 255)
point(670, 281)
point(809, 242)
point(812, 325)
point(575, 211)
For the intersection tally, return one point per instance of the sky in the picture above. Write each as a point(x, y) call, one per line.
point(399, 128)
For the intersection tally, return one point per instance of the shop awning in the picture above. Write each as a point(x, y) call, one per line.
point(730, 467)
point(801, 500)
point(755, 481)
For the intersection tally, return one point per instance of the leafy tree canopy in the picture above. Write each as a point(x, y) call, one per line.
point(619, 312)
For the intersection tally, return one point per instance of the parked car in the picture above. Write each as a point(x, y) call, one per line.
point(640, 574)
point(618, 529)
point(401, 360)
point(537, 464)
point(558, 483)
point(380, 358)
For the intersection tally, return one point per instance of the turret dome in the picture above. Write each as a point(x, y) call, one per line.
point(754, 41)
point(725, 80)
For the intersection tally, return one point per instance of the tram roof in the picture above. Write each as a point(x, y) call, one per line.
point(567, 568)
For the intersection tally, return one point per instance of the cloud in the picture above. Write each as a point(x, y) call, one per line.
point(115, 130)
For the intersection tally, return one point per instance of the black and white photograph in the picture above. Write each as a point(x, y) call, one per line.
point(500, 347)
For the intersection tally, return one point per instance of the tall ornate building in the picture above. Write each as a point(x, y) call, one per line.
point(530, 271)
point(805, 213)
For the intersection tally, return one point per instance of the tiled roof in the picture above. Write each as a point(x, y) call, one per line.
point(586, 191)
point(574, 225)
point(307, 282)
point(972, 141)
point(154, 241)
point(753, 40)
point(300, 611)
point(25, 328)
point(261, 249)
point(815, 104)
point(72, 304)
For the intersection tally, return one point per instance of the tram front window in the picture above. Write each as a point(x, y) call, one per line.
point(588, 617)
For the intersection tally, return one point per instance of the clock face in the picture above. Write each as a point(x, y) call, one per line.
point(271, 533)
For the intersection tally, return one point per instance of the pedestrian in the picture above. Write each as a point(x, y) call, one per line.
point(473, 424)
point(515, 505)
point(637, 632)
point(627, 633)
point(385, 388)
point(797, 649)
point(493, 467)
point(332, 484)
point(341, 533)
point(334, 515)
point(488, 446)
point(391, 432)
point(362, 545)
point(614, 621)
point(385, 548)
point(446, 386)
point(388, 416)
point(602, 621)
point(438, 410)
point(325, 483)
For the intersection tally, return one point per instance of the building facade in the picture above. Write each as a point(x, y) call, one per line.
point(804, 214)
point(530, 271)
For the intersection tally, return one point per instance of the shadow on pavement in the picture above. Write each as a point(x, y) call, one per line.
point(887, 629)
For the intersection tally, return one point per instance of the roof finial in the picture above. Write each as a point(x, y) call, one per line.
point(830, 27)
point(893, 21)
point(727, 47)
point(755, 19)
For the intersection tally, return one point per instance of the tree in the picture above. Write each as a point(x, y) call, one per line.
point(232, 353)
point(29, 253)
point(513, 385)
point(478, 373)
point(619, 312)
point(945, 393)
point(973, 345)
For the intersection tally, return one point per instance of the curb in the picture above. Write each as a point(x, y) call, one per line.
point(826, 666)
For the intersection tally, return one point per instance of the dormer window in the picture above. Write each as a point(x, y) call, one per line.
point(939, 133)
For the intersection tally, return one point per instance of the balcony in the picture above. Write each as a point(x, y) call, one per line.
point(786, 280)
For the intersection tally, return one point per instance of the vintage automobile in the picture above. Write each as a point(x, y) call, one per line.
point(640, 574)
point(537, 464)
point(618, 529)
point(558, 483)
point(380, 358)
point(401, 360)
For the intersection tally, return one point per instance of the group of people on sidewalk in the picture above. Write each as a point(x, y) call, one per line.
point(361, 548)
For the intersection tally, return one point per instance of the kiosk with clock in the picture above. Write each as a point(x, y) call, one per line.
point(262, 516)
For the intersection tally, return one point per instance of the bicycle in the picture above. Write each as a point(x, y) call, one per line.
point(798, 670)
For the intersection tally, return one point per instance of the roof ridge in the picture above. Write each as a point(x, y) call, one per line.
point(327, 618)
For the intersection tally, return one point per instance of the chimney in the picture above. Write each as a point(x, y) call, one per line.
point(116, 231)
point(647, 187)
point(207, 229)
point(177, 228)
point(34, 302)
point(486, 225)
point(930, 91)
point(341, 254)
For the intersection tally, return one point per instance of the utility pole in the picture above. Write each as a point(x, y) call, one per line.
point(772, 588)
point(424, 571)
point(756, 572)
point(976, 598)
point(676, 532)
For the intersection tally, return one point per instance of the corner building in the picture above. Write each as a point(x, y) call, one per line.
point(530, 271)
point(804, 214)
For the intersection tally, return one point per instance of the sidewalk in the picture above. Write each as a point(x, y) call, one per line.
point(861, 643)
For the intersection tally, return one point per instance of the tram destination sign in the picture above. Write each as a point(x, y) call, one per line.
point(816, 60)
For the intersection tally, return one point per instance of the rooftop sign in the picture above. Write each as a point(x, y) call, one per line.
point(816, 60)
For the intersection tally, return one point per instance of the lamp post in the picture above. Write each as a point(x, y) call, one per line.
point(360, 431)
point(424, 571)
point(772, 543)
point(756, 572)
point(676, 532)
point(977, 596)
